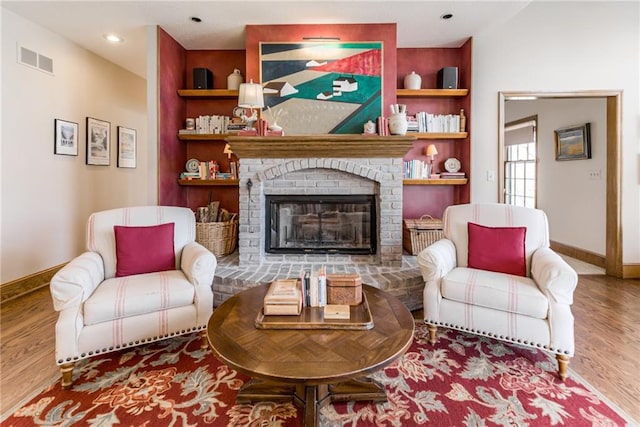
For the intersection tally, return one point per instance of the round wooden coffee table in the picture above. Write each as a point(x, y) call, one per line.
point(311, 367)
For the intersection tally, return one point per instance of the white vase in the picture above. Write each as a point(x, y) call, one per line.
point(234, 79)
point(412, 81)
point(398, 124)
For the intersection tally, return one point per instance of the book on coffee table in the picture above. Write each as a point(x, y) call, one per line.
point(283, 297)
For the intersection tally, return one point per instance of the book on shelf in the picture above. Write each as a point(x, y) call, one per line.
point(233, 169)
point(190, 175)
point(452, 175)
point(337, 311)
point(283, 298)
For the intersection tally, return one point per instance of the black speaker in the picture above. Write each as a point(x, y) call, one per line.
point(202, 78)
point(448, 78)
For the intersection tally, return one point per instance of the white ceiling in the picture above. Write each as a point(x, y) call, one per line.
point(223, 22)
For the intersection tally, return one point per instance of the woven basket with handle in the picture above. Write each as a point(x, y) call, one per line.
point(417, 234)
point(219, 237)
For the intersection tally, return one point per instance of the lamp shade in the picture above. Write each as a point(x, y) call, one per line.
point(431, 150)
point(250, 95)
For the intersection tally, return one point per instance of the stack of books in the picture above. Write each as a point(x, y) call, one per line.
point(314, 287)
point(284, 297)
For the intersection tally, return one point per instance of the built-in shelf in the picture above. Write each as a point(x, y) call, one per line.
point(208, 182)
point(208, 93)
point(417, 135)
point(439, 135)
point(426, 93)
point(201, 136)
point(403, 93)
point(438, 181)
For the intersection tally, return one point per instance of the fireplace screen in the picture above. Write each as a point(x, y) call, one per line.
point(321, 224)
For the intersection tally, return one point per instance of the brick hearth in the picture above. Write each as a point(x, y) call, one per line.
point(404, 282)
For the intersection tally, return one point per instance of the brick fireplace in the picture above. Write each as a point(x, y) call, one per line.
point(334, 165)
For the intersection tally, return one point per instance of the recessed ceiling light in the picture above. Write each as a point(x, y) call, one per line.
point(446, 16)
point(196, 19)
point(113, 38)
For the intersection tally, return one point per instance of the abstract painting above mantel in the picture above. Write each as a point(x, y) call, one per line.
point(321, 87)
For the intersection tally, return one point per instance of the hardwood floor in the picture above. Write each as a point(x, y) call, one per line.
point(606, 310)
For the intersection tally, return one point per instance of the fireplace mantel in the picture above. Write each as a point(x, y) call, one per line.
point(318, 146)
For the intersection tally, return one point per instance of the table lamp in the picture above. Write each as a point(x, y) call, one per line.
point(250, 96)
point(227, 151)
point(431, 152)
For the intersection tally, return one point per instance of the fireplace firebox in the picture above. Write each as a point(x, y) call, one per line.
point(321, 224)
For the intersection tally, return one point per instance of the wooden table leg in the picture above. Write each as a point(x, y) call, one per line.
point(257, 390)
point(310, 406)
point(358, 389)
point(312, 397)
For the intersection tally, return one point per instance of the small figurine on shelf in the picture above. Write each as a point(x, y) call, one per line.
point(463, 120)
point(369, 128)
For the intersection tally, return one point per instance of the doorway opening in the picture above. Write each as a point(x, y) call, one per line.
point(613, 254)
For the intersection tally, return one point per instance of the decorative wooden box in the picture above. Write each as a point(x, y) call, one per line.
point(344, 289)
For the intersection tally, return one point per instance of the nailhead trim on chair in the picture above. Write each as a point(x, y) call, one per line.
point(501, 337)
point(130, 344)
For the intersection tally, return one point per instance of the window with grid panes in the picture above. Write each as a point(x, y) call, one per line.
point(520, 166)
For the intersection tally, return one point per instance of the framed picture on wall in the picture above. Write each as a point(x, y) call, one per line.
point(573, 143)
point(98, 142)
point(322, 87)
point(65, 137)
point(126, 147)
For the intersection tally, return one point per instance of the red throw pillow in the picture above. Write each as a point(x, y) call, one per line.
point(144, 249)
point(499, 249)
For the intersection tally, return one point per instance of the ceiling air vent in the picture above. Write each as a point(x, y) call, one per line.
point(33, 59)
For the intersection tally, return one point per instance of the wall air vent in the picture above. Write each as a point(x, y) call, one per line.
point(35, 60)
point(45, 63)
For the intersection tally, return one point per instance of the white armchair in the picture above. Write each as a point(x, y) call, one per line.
point(104, 308)
point(532, 309)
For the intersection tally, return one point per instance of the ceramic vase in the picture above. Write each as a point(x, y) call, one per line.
point(275, 127)
point(398, 124)
point(412, 81)
point(234, 79)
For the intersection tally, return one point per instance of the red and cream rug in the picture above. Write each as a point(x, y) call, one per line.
point(464, 380)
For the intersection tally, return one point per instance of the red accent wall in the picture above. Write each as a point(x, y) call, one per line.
point(221, 63)
point(386, 33)
point(171, 112)
point(175, 72)
point(432, 200)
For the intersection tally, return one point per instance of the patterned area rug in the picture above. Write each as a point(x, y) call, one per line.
point(464, 380)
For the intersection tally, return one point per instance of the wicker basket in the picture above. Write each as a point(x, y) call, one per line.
point(417, 234)
point(219, 237)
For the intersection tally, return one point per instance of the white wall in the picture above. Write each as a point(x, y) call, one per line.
point(573, 201)
point(553, 47)
point(47, 198)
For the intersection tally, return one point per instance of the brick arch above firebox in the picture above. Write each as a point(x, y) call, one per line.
point(343, 165)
